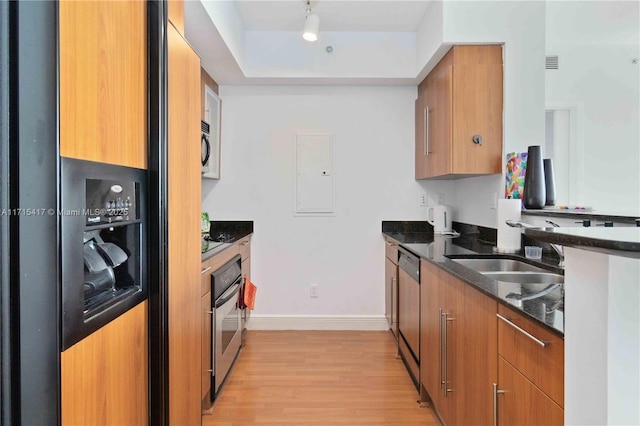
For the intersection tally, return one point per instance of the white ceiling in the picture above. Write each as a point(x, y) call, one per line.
point(335, 15)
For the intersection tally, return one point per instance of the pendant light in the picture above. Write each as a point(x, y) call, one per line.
point(311, 25)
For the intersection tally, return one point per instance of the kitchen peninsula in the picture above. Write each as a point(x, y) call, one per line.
point(602, 332)
point(504, 312)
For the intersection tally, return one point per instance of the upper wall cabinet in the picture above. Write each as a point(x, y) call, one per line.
point(103, 81)
point(459, 115)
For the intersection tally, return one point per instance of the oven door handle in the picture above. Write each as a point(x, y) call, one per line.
point(229, 294)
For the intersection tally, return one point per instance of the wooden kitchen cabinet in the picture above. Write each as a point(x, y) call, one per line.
point(184, 259)
point(207, 324)
point(458, 348)
point(531, 376)
point(522, 403)
point(477, 359)
point(391, 295)
point(391, 285)
point(103, 81)
point(431, 303)
point(440, 328)
point(244, 248)
point(460, 99)
point(207, 354)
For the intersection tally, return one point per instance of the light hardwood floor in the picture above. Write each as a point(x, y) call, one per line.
point(318, 378)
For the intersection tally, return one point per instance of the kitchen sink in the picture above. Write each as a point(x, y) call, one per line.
point(498, 265)
point(510, 270)
point(524, 277)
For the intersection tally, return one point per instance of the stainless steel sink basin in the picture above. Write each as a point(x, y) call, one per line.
point(511, 270)
point(526, 277)
point(498, 265)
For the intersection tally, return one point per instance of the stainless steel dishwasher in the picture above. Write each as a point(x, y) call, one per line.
point(409, 312)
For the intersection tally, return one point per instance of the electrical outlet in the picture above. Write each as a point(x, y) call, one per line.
point(440, 198)
point(313, 290)
point(422, 200)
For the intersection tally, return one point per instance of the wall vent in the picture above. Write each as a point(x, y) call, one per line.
point(551, 62)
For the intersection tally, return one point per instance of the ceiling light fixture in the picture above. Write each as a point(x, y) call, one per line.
point(311, 25)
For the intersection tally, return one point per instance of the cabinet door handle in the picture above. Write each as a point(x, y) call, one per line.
point(496, 391)
point(391, 244)
point(440, 348)
point(205, 270)
point(542, 343)
point(244, 243)
point(393, 298)
point(426, 130)
point(446, 355)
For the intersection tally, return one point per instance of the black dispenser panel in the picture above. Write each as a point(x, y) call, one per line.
point(103, 244)
point(110, 201)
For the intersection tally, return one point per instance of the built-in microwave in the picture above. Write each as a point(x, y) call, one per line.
point(209, 153)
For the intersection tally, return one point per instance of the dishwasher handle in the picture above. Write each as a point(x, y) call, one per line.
point(409, 263)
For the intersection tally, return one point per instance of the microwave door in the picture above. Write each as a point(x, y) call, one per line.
point(205, 152)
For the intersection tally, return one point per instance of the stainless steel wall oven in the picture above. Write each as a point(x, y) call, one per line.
point(103, 244)
point(226, 285)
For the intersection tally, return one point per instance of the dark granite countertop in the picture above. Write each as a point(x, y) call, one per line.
point(594, 215)
point(223, 234)
point(616, 241)
point(547, 310)
point(210, 249)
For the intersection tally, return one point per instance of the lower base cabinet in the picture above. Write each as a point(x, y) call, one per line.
point(391, 295)
point(244, 248)
point(521, 403)
point(207, 354)
point(459, 348)
point(530, 387)
point(391, 285)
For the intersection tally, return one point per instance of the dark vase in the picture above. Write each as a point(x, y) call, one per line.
point(549, 182)
point(534, 196)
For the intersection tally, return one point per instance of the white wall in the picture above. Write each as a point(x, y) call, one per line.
point(520, 25)
point(373, 131)
point(596, 42)
point(604, 85)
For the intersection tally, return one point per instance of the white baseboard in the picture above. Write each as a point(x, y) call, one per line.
point(318, 322)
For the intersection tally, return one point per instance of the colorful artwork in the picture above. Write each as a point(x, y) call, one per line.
point(516, 167)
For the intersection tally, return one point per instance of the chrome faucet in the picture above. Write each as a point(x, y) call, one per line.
point(558, 248)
